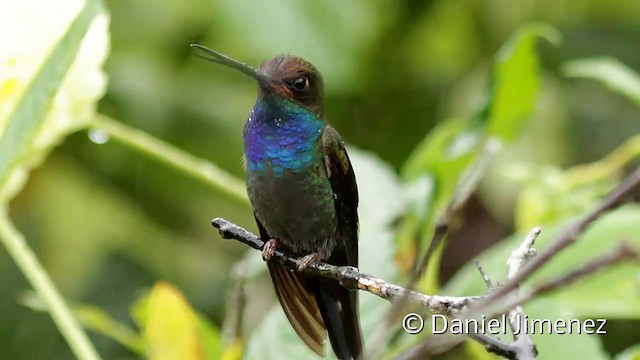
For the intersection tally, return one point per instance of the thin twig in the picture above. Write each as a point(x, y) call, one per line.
point(491, 343)
point(523, 344)
point(525, 252)
point(484, 275)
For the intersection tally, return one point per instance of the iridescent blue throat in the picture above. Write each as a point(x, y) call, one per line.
point(281, 135)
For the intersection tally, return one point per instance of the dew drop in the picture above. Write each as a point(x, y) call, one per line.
point(279, 122)
point(98, 136)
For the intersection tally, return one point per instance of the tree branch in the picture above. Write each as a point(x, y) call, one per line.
point(351, 277)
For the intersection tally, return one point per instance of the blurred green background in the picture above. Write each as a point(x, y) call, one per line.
point(108, 222)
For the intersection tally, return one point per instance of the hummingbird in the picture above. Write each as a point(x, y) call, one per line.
point(303, 192)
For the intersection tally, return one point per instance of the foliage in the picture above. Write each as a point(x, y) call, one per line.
point(50, 87)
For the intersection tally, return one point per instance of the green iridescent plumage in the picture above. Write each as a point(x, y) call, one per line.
point(304, 195)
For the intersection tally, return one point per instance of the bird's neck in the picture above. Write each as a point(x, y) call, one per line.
point(281, 135)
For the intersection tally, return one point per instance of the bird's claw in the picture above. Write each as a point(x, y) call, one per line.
point(309, 260)
point(270, 248)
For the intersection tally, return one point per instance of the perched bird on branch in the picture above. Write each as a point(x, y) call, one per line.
point(304, 195)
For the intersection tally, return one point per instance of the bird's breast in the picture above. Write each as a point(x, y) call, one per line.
point(288, 187)
point(281, 145)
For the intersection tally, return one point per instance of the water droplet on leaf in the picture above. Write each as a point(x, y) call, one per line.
point(98, 136)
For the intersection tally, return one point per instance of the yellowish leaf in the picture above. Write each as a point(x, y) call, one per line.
point(171, 330)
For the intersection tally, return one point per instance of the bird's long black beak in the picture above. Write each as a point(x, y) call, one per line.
point(216, 57)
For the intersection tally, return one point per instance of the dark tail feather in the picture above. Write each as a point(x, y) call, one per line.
point(299, 305)
point(339, 310)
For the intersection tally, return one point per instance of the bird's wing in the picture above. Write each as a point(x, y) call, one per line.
point(298, 303)
point(339, 306)
point(345, 190)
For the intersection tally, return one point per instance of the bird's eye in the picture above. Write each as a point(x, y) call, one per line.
point(299, 84)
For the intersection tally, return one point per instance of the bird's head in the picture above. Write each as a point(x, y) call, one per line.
point(282, 77)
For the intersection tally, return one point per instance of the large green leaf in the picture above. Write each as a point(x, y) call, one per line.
point(516, 81)
point(381, 201)
point(24, 138)
point(608, 71)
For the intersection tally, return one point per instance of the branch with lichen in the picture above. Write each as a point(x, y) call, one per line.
point(350, 277)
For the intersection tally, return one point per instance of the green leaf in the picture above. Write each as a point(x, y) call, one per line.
point(380, 202)
point(516, 81)
point(29, 112)
point(611, 293)
point(608, 71)
point(432, 172)
point(446, 150)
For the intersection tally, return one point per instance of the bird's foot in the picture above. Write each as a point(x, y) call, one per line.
point(270, 248)
point(308, 260)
